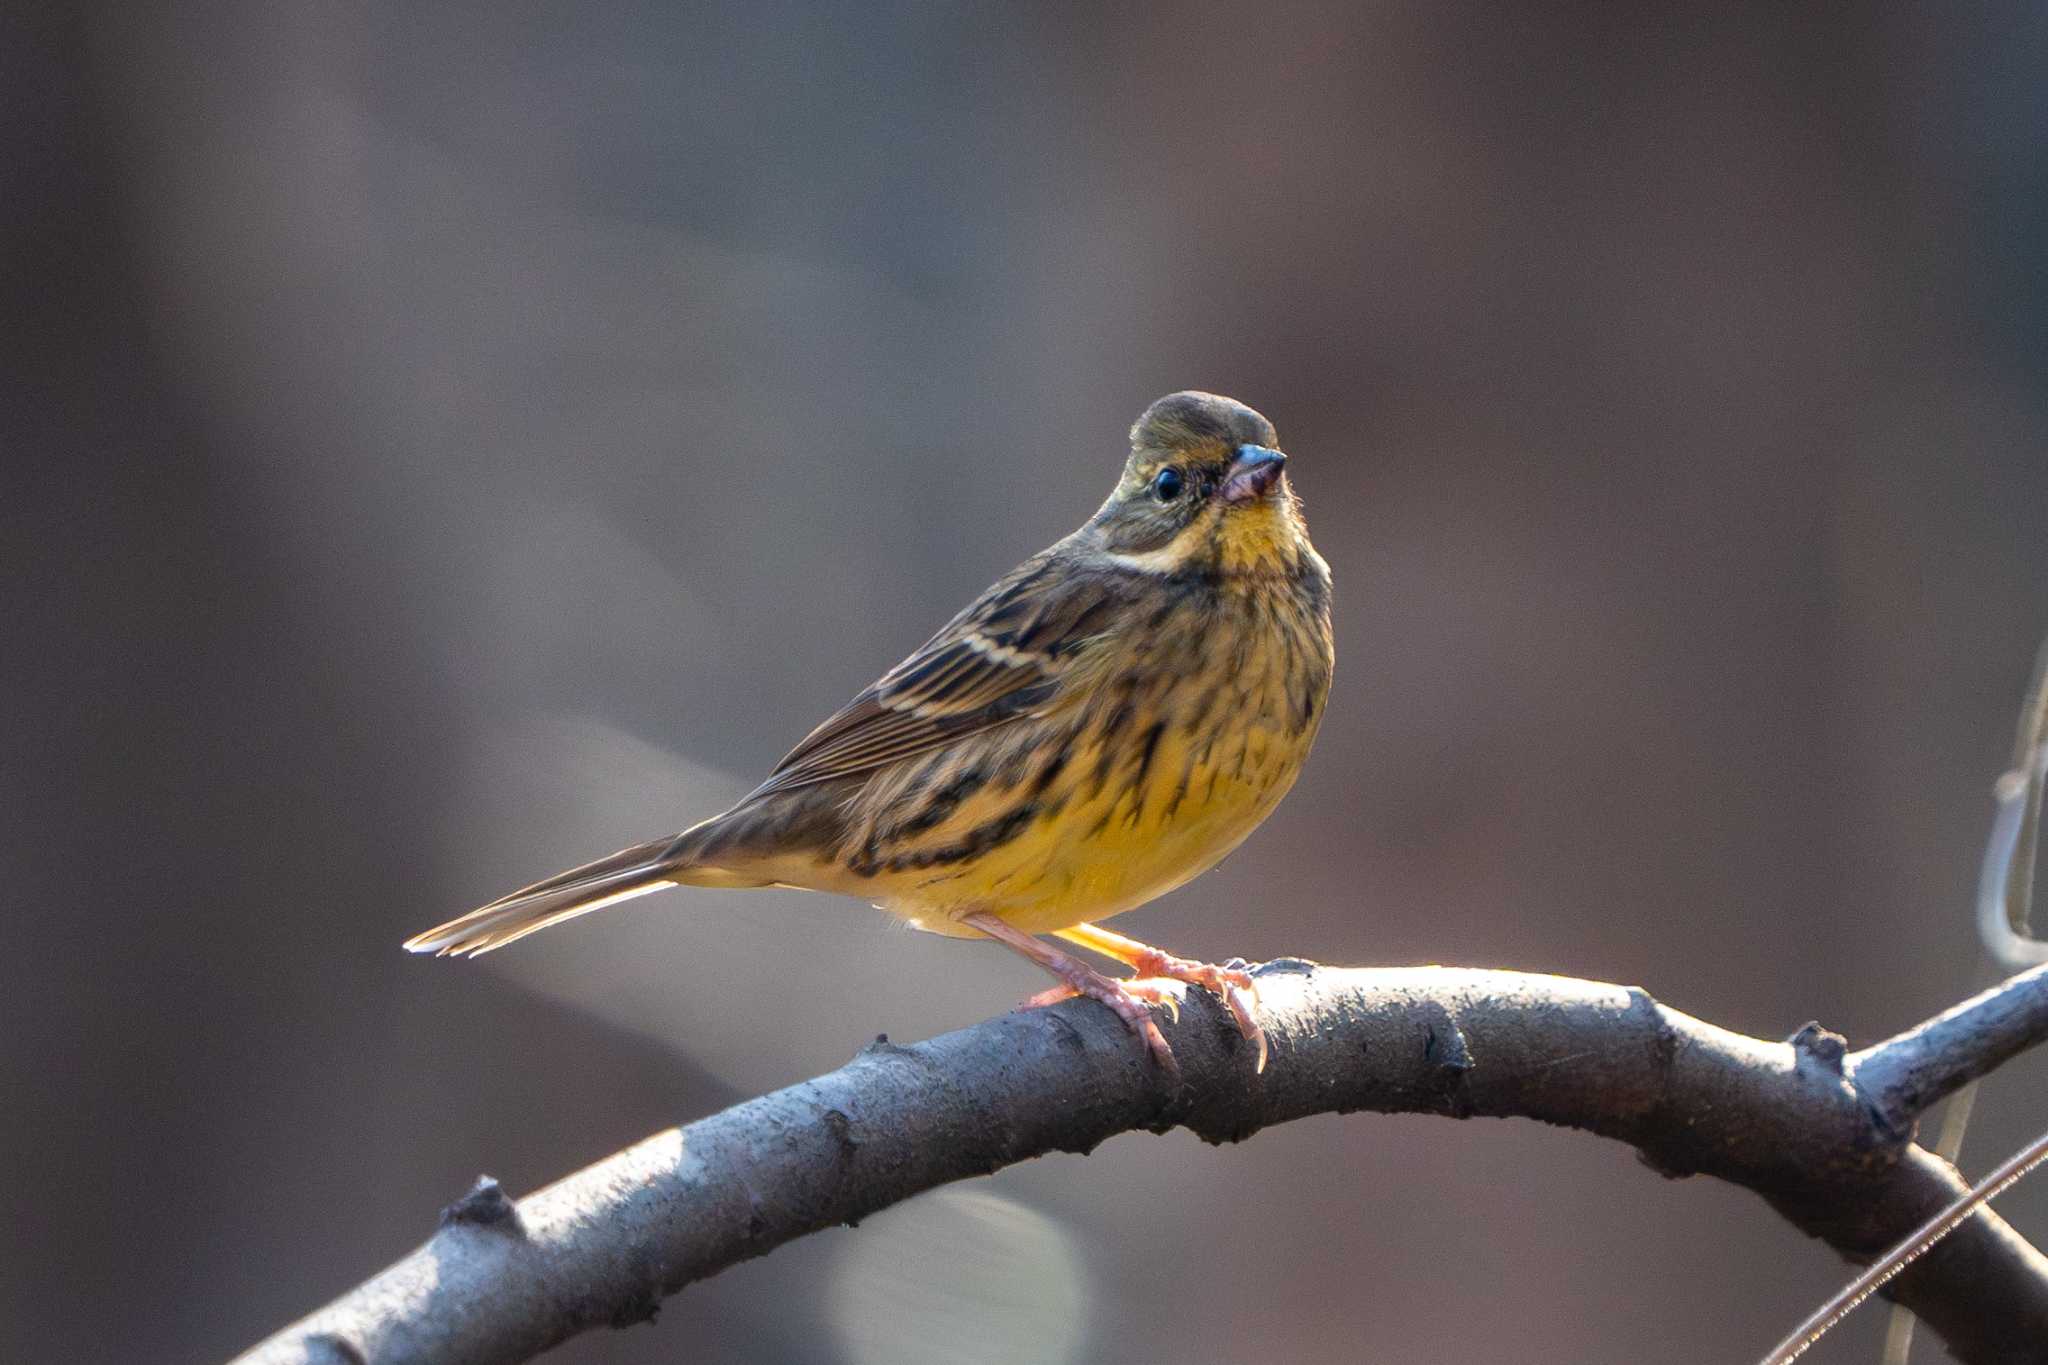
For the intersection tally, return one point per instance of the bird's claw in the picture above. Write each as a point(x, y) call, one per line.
point(1231, 983)
point(1130, 1001)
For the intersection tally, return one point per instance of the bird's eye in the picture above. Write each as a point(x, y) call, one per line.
point(1167, 486)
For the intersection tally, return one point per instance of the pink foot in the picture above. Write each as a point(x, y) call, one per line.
point(1237, 988)
point(1131, 1000)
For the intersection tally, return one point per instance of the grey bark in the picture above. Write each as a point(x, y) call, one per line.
point(1823, 1134)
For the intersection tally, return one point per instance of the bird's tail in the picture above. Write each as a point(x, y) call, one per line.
point(636, 871)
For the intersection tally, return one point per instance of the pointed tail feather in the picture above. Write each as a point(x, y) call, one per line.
point(630, 872)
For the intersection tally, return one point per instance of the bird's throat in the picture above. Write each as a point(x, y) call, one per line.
point(1264, 537)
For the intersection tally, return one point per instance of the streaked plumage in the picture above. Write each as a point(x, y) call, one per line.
point(1103, 724)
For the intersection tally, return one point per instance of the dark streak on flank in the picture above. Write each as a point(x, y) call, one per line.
point(1305, 705)
point(943, 803)
point(1111, 732)
point(1194, 721)
point(981, 839)
point(867, 862)
point(1148, 747)
point(1180, 789)
point(1050, 773)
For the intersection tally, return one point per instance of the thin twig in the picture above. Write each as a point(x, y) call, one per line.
point(2030, 742)
point(2005, 888)
point(1905, 1253)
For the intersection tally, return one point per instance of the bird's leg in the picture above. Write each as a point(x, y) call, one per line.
point(1129, 1001)
point(1234, 985)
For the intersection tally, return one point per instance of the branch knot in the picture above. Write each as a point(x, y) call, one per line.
point(1821, 1046)
point(485, 1206)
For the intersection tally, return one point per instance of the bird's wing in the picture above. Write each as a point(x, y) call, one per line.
point(1003, 658)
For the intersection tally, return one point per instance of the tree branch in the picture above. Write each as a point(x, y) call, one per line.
point(1821, 1133)
point(1927, 1063)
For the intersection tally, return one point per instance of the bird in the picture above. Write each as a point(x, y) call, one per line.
point(1101, 725)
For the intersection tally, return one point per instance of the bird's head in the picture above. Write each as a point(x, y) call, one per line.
point(1204, 488)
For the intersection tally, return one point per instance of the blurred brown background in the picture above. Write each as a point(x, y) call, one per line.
point(445, 441)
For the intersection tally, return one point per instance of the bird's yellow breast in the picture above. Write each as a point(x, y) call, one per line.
point(1113, 849)
point(1182, 747)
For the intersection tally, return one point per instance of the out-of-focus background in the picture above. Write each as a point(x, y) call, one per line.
point(445, 441)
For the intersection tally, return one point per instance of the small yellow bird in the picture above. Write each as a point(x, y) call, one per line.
point(1100, 726)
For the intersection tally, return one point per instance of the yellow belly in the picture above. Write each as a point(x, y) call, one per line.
point(1111, 848)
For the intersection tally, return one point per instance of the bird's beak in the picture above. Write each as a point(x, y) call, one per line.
point(1253, 474)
